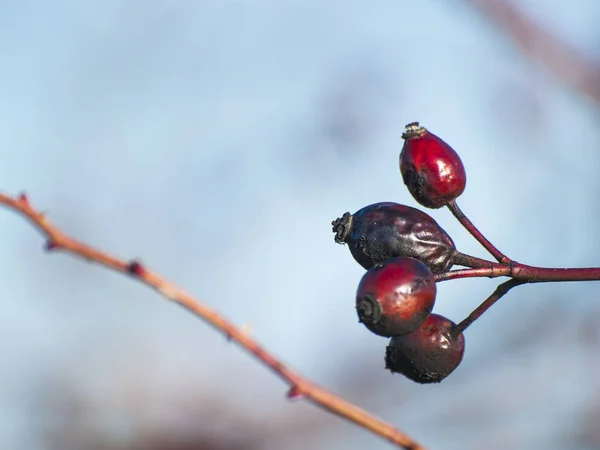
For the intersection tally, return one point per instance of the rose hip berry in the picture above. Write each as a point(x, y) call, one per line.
point(386, 230)
point(429, 354)
point(431, 169)
point(395, 298)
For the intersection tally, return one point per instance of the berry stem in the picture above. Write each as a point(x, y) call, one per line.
point(462, 259)
point(500, 291)
point(300, 385)
point(492, 271)
point(465, 222)
point(524, 273)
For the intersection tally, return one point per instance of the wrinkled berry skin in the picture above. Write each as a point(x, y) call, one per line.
point(395, 298)
point(429, 354)
point(430, 168)
point(386, 230)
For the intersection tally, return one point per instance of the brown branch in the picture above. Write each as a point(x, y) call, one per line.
point(299, 386)
point(566, 63)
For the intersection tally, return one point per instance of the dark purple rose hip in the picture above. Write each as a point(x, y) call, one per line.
point(388, 230)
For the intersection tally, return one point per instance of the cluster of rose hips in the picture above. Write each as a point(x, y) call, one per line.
point(402, 249)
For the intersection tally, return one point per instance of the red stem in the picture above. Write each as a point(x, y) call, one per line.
point(524, 273)
point(461, 259)
point(465, 222)
point(500, 291)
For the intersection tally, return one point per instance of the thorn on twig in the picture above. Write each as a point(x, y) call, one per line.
point(23, 199)
point(51, 246)
point(136, 268)
point(294, 393)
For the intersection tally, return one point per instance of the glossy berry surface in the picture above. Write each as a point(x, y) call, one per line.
point(429, 354)
point(386, 230)
point(430, 168)
point(395, 298)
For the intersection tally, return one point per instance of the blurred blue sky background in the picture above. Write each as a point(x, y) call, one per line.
point(217, 140)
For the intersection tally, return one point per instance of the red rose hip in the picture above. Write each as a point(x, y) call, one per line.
point(430, 168)
point(394, 298)
point(429, 354)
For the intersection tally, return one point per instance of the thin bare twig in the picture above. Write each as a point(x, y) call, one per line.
point(299, 386)
point(566, 63)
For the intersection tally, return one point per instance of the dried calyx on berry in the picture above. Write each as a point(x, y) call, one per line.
point(386, 230)
point(395, 298)
point(430, 168)
point(429, 354)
